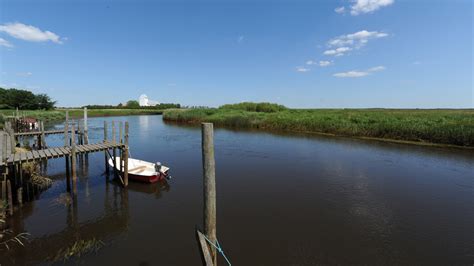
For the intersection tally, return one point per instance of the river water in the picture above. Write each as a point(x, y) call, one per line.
point(281, 200)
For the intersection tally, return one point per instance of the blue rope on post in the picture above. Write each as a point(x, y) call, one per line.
point(218, 247)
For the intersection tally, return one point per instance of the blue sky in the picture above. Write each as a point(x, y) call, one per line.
point(318, 54)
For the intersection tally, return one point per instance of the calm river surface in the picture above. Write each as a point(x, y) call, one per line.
point(282, 200)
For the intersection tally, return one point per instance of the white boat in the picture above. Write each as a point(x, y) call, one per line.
point(142, 171)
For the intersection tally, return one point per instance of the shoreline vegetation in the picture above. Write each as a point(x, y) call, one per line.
point(60, 114)
point(446, 127)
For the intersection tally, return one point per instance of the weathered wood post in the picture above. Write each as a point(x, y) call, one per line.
point(4, 188)
point(43, 139)
point(209, 178)
point(73, 160)
point(10, 197)
point(114, 150)
point(105, 152)
point(86, 129)
point(125, 157)
point(121, 142)
point(19, 196)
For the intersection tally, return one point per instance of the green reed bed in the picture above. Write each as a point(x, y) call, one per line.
point(454, 127)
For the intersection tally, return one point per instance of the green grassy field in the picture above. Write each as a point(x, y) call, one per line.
point(453, 127)
point(60, 114)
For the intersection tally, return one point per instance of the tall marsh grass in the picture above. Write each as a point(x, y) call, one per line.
point(455, 127)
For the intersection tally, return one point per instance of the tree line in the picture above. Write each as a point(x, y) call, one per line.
point(26, 100)
point(132, 104)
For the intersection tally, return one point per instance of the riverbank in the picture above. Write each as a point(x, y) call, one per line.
point(450, 127)
point(59, 114)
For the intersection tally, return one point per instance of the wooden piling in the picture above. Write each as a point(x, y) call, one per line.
point(19, 196)
point(73, 160)
point(105, 152)
point(66, 130)
point(4, 189)
point(125, 157)
point(86, 129)
point(10, 197)
point(43, 139)
point(209, 178)
point(114, 150)
point(68, 174)
point(121, 142)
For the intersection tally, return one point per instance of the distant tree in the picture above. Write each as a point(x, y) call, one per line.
point(23, 99)
point(45, 102)
point(133, 104)
point(119, 105)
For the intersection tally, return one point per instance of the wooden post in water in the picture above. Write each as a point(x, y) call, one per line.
point(114, 150)
point(105, 152)
point(125, 157)
point(43, 138)
point(4, 188)
point(86, 129)
point(121, 142)
point(10, 197)
point(19, 196)
point(66, 130)
point(73, 160)
point(209, 178)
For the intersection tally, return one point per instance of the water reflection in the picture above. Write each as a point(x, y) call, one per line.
point(282, 200)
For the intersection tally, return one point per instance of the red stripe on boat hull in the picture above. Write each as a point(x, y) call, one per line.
point(146, 179)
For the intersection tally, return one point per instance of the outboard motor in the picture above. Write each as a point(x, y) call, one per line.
point(158, 167)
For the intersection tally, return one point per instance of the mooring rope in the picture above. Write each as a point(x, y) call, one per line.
point(218, 247)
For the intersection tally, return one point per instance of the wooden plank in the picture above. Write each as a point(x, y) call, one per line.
point(48, 153)
point(36, 155)
point(42, 154)
point(54, 151)
point(65, 151)
point(204, 249)
point(17, 157)
point(23, 156)
point(29, 156)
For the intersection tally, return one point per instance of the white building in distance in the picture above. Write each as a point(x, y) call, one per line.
point(144, 101)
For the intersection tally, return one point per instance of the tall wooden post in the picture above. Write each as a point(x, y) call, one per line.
point(121, 142)
point(73, 160)
point(105, 152)
point(125, 157)
point(19, 196)
point(66, 130)
point(43, 139)
point(209, 171)
point(86, 129)
point(114, 150)
point(68, 174)
point(10, 197)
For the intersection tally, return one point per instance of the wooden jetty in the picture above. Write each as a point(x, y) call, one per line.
point(76, 143)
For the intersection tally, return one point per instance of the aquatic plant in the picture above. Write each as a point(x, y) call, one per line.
point(78, 249)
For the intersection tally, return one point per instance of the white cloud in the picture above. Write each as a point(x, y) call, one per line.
point(368, 6)
point(240, 39)
point(351, 74)
point(417, 63)
point(5, 43)
point(357, 73)
point(338, 51)
point(29, 33)
point(376, 69)
point(24, 74)
point(311, 62)
point(302, 69)
point(357, 39)
point(340, 10)
point(325, 63)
